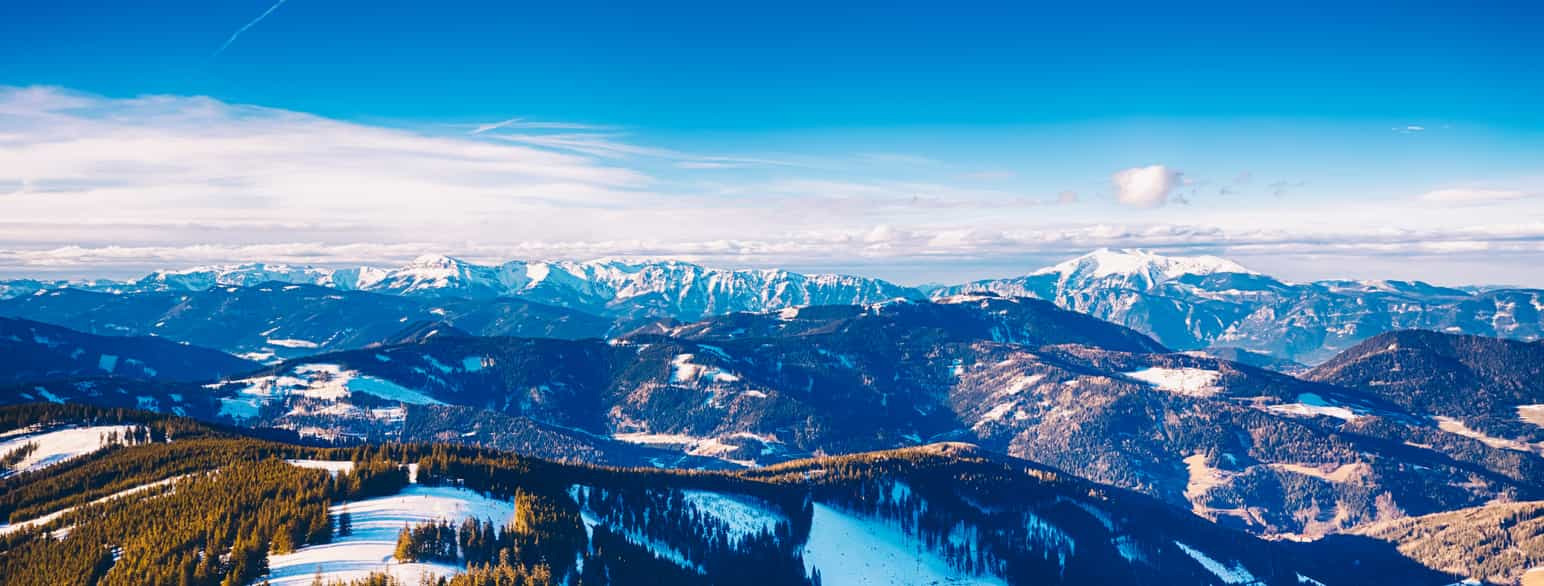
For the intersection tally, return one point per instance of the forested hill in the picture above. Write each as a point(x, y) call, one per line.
point(181, 503)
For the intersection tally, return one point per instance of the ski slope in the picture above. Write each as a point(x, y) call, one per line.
point(58, 445)
point(853, 550)
point(374, 539)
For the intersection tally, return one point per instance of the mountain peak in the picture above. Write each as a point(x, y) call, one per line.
point(1140, 263)
point(438, 261)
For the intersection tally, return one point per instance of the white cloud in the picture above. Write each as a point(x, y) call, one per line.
point(92, 185)
point(874, 245)
point(1146, 187)
point(1472, 195)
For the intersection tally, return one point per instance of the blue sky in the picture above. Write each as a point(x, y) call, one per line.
point(915, 141)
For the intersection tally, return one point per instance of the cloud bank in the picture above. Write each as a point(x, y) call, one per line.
point(92, 185)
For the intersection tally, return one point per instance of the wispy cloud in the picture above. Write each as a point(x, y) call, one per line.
point(252, 23)
point(1283, 187)
point(1473, 195)
point(615, 146)
point(535, 125)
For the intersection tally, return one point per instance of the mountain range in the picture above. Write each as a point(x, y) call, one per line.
point(1240, 445)
point(1261, 468)
point(1204, 303)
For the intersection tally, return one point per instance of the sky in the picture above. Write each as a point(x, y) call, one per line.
point(917, 142)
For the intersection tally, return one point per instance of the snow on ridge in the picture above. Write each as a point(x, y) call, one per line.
point(707, 447)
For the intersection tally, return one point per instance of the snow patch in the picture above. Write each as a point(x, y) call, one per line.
point(1532, 414)
point(744, 516)
point(709, 447)
point(328, 382)
point(1313, 405)
point(1456, 427)
point(994, 414)
point(265, 357)
point(331, 466)
point(1201, 479)
point(1235, 574)
point(1190, 382)
point(683, 370)
point(292, 343)
point(1340, 474)
point(1019, 383)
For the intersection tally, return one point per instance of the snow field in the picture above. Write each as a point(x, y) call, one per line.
point(374, 539)
point(1190, 382)
point(744, 516)
point(58, 445)
point(853, 550)
point(331, 466)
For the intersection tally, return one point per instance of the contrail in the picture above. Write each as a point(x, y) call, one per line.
point(244, 28)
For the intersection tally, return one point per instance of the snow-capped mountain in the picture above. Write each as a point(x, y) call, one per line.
point(246, 275)
point(604, 287)
point(658, 289)
point(1136, 269)
point(1194, 303)
point(1101, 270)
point(1187, 303)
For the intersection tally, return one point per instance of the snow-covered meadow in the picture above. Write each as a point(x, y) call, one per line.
point(376, 522)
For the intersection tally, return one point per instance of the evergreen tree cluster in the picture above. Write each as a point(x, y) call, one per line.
point(207, 529)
